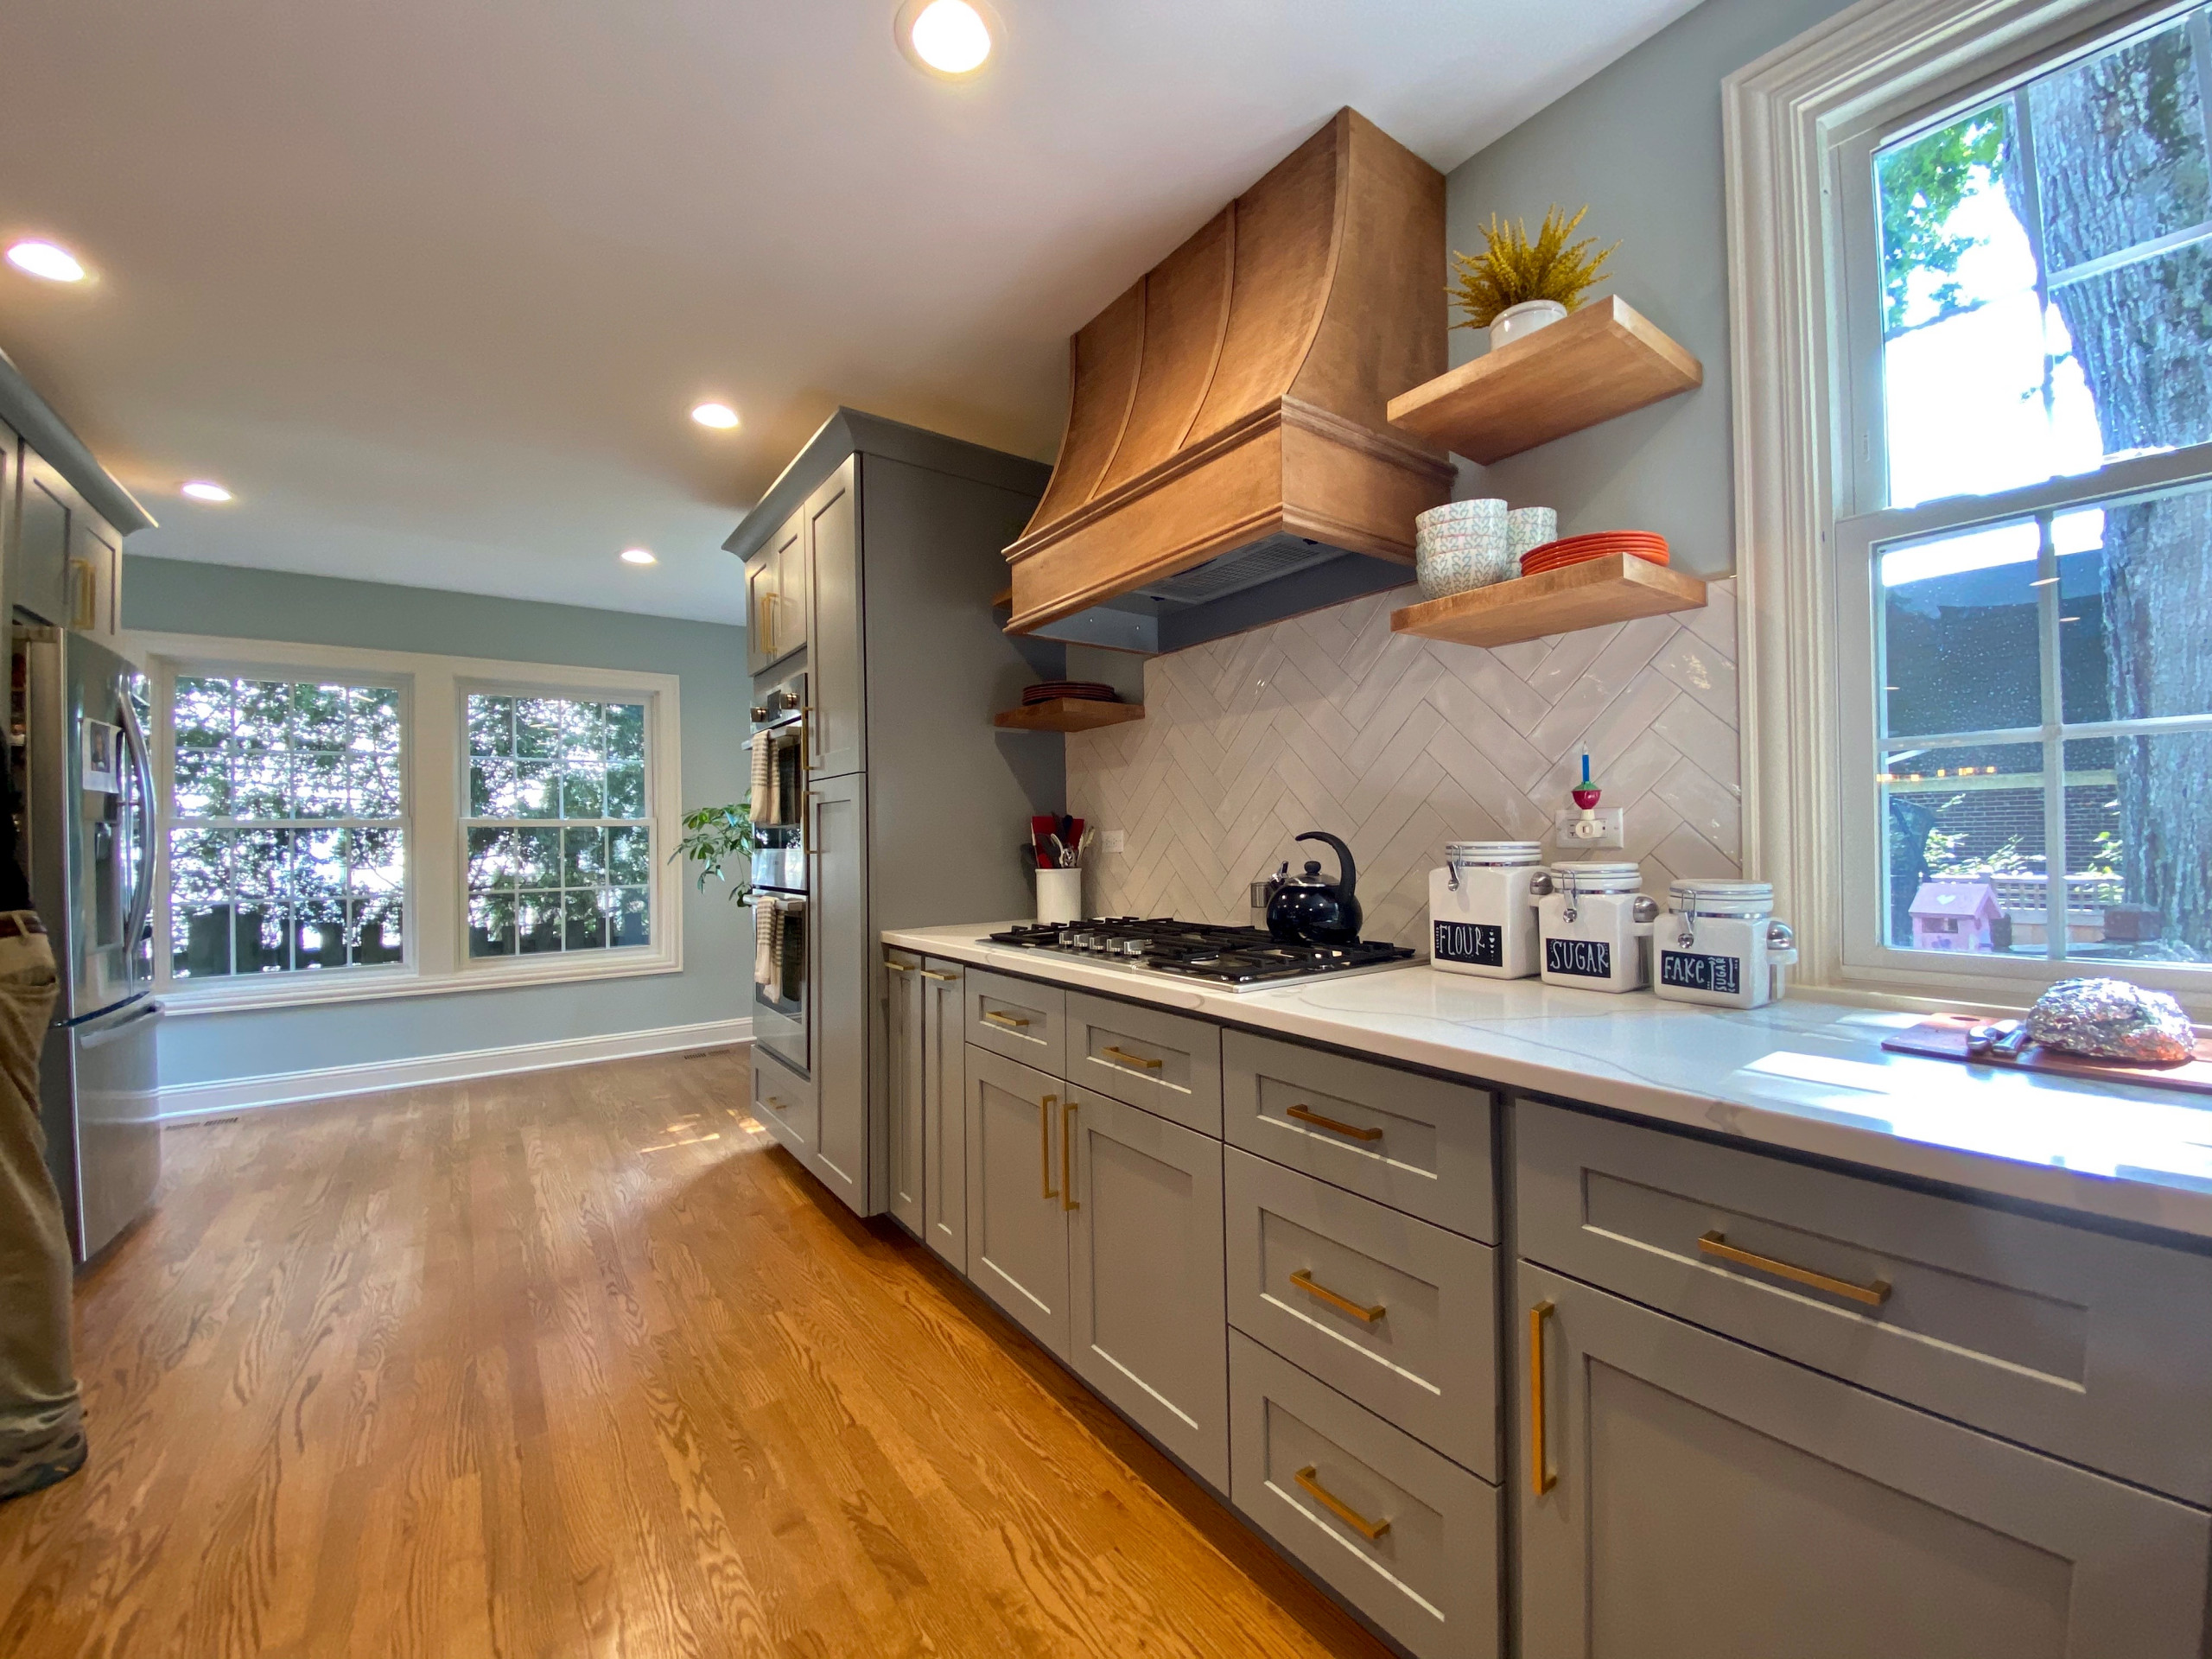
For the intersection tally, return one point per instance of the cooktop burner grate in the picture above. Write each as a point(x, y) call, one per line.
point(1238, 958)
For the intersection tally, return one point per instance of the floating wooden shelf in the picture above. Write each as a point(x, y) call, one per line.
point(1003, 601)
point(1067, 715)
point(1603, 360)
point(1614, 590)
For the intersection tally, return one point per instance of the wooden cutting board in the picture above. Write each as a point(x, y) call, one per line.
point(1944, 1037)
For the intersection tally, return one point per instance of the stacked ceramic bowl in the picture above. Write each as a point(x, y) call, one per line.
point(1460, 545)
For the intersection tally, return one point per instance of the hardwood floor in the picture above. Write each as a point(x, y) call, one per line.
point(580, 1362)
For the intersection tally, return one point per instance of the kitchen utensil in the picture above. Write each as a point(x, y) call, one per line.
point(1049, 851)
point(1306, 909)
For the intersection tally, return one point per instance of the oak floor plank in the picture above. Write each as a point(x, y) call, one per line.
point(580, 1363)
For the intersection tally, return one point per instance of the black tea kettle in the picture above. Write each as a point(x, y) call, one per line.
point(1306, 909)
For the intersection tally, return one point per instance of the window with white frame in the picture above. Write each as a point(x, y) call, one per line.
point(2018, 265)
point(345, 823)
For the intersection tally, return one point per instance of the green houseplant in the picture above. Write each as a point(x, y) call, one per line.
point(1516, 286)
point(714, 835)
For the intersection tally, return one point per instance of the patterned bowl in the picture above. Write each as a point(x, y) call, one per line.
point(1460, 545)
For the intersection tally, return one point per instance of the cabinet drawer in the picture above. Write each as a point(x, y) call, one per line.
point(1162, 1062)
point(1019, 1018)
point(1414, 1143)
point(2094, 1348)
point(1399, 1314)
point(784, 1102)
point(1697, 1498)
point(1409, 1538)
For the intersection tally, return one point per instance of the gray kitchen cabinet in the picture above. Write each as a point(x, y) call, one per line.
point(1019, 1018)
point(2096, 1348)
point(1398, 1314)
point(775, 597)
point(1017, 1228)
point(945, 1112)
point(1405, 1535)
point(1418, 1144)
point(841, 966)
point(837, 739)
point(906, 1104)
point(45, 529)
point(1146, 1327)
point(782, 1103)
point(1166, 1062)
point(1683, 1496)
point(869, 565)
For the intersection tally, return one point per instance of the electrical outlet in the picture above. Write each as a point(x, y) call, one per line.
point(1113, 840)
point(1608, 827)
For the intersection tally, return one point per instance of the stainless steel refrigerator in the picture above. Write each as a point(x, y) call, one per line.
point(85, 791)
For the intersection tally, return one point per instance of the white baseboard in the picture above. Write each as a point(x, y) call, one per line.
point(192, 1102)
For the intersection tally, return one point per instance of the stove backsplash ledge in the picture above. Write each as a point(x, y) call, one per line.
point(1400, 743)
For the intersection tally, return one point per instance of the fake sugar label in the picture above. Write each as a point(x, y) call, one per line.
point(1691, 971)
point(1475, 942)
point(1580, 958)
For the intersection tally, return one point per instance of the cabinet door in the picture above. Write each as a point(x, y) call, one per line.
point(1017, 1231)
point(40, 580)
point(834, 674)
point(839, 976)
point(944, 1112)
point(904, 1086)
point(775, 597)
point(1705, 1500)
point(1148, 1329)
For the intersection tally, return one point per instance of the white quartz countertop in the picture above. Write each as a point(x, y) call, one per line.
point(1807, 1076)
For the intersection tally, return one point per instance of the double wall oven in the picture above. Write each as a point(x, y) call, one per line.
point(782, 874)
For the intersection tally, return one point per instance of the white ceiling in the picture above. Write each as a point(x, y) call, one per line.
point(431, 284)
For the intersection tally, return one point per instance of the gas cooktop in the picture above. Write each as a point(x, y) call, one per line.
point(1233, 958)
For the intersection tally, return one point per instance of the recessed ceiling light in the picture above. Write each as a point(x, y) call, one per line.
point(48, 259)
point(638, 555)
point(719, 416)
point(201, 489)
point(947, 37)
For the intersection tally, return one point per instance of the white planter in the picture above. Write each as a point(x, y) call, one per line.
point(1519, 321)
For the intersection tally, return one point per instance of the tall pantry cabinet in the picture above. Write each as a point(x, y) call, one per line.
point(870, 569)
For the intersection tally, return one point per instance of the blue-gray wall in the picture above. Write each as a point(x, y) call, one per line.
point(173, 596)
point(1640, 143)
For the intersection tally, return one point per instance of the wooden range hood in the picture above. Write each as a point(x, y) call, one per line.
point(1227, 461)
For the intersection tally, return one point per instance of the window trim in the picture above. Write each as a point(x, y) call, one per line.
point(434, 688)
point(1798, 362)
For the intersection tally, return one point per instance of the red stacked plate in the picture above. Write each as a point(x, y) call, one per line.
point(1081, 690)
point(1579, 550)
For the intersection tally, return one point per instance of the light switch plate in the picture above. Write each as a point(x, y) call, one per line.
point(1612, 829)
point(1113, 840)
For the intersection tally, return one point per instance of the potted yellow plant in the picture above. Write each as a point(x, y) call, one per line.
point(1514, 286)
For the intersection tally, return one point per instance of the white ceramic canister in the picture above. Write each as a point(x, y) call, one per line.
point(1719, 944)
point(1482, 908)
point(1596, 928)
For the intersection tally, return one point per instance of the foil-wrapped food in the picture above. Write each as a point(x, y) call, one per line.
point(2111, 1020)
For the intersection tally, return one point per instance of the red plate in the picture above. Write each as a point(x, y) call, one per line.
point(1533, 566)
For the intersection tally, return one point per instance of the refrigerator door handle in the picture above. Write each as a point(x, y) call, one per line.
point(142, 899)
point(102, 1028)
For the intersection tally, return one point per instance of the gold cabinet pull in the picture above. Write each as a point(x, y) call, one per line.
point(1350, 1131)
point(1540, 1480)
point(1044, 1142)
point(1068, 1199)
point(931, 973)
point(1304, 1279)
point(1717, 1244)
point(1011, 1021)
point(899, 967)
point(1142, 1061)
point(1359, 1524)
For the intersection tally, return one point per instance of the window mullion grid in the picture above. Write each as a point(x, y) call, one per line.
point(2049, 628)
point(2031, 218)
point(2200, 46)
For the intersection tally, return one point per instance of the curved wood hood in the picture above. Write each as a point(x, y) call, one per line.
point(1226, 439)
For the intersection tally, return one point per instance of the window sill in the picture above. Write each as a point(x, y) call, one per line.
point(295, 991)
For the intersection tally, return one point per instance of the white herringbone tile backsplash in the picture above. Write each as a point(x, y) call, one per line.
point(1332, 721)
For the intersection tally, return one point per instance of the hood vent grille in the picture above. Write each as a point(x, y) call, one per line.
point(1227, 461)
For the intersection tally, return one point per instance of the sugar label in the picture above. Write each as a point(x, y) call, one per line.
point(1578, 958)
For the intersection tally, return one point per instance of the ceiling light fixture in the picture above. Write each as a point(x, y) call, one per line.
point(946, 37)
point(201, 489)
point(720, 416)
point(638, 555)
point(49, 260)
